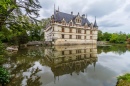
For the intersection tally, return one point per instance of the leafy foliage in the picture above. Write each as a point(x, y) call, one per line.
point(4, 76)
point(123, 80)
point(20, 33)
point(14, 9)
point(112, 37)
point(100, 35)
point(125, 77)
point(106, 36)
point(2, 50)
point(128, 40)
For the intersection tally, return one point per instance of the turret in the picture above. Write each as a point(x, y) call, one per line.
point(95, 24)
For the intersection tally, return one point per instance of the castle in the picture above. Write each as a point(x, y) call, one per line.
point(70, 29)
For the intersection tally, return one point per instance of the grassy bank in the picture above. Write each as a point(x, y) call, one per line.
point(124, 80)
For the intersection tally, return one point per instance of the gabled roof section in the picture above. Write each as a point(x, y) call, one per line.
point(58, 16)
point(84, 21)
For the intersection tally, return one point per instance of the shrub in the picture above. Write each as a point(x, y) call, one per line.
point(125, 77)
point(4, 76)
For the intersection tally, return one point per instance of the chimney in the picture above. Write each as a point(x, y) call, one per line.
point(83, 15)
point(71, 13)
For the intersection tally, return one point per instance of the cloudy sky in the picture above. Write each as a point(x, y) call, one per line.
point(112, 15)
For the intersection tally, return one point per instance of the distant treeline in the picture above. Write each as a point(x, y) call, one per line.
point(119, 37)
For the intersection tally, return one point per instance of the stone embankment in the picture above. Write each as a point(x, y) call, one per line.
point(12, 48)
point(102, 42)
point(35, 43)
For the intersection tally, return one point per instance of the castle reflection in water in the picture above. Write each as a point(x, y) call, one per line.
point(69, 59)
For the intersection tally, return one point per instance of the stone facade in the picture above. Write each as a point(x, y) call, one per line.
point(69, 29)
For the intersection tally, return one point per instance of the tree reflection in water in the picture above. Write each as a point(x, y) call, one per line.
point(31, 80)
point(117, 49)
point(21, 62)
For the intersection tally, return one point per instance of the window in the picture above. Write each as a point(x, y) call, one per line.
point(84, 56)
point(53, 28)
point(70, 37)
point(78, 31)
point(62, 52)
point(70, 52)
point(90, 32)
point(90, 37)
point(76, 20)
point(84, 50)
point(63, 36)
point(78, 37)
point(84, 31)
point(62, 29)
point(84, 37)
point(70, 30)
point(63, 22)
point(78, 51)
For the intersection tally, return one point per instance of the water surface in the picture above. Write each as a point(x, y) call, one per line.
point(78, 65)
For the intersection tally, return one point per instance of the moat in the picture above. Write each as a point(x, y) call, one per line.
point(78, 65)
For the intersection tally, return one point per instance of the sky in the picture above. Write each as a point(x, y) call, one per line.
point(111, 15)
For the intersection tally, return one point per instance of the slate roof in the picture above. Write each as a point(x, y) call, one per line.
point(95, 23)
point(58, 16)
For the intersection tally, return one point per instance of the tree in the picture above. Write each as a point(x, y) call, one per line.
point(14, 8)
point(128, 40)
point(106, 36)
point(36, 33)
point(128, 35)
point(118, 37)
point(122, 37)
point(100, 35)
point(114, 38)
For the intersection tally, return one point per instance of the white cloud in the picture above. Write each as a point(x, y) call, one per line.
point(112, 15)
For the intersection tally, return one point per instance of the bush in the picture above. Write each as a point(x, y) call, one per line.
point(4, 76)
point(125, 77)
point(124, 80)
point(2, 51)
point(128, 40)
point(2, 48)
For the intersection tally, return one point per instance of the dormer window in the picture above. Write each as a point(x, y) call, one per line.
point(70, 23)
point(63, 21)
point(85, 26)
point(91, 26)
point(78, 20)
